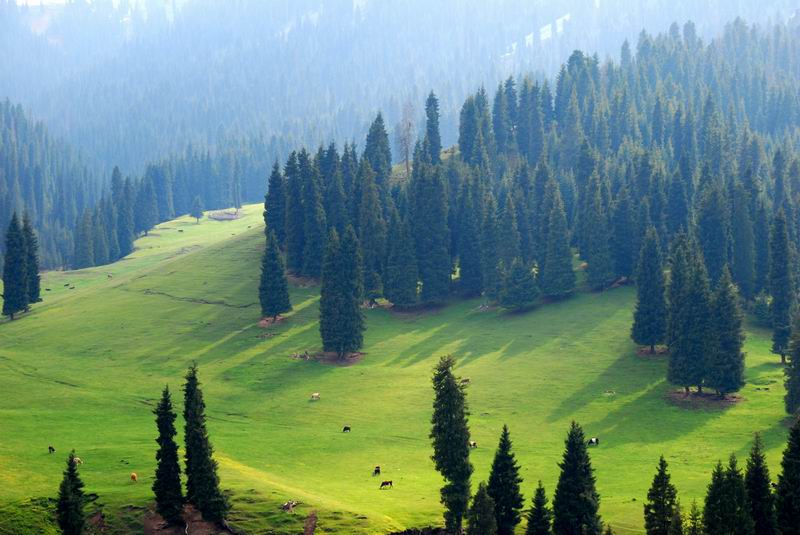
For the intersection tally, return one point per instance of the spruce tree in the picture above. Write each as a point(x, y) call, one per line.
point(662, 502)
point(503, 486)
point(341, 321)
point(726, 511)
point(481, 516)
point(576, 502)
point(378, 153)
point(743, 259)
point(275, 205)
point(519, 287)
point(600, 272)
point(725, 364)
point(126, 227)
point(760, 501)
point(508, 247)
point(69, 509)
point(146, 212)
point(202, 482)
point(372, 235)
point(167, 483)
point(781, 285)
point(450, 438)
point(433, 142)
point(540, 516)
point(714, 521)
point(792, 372)
point(401, 265)
point(623, 238)
point(31, 260)
point(295, 216)
point(197, 209)
point(15, 270)
point(787, 495)
point(676, 525)
point(492, 283)
point(315, 227)
point(470, 256)
point(273, 291)
point(694, 523)
point(650, 316)
point(713, 230)
point(557, 279)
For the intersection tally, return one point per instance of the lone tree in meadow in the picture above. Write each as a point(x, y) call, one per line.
point(725, 364)
point(539, 517)
point(167, 483)
point(31, 260)
point(760, 501)
point(781, 285)
point(481, 518)
point(576, 502)
point(15, 270)
point(792, 382)
point(787, 496)
point(503, 486)
point(341, 322)
point(650, 316)
point(197, 209)
point(273, 291)
point(69, 510)
point(202, 482)
point(450, 438)
point(662, 502)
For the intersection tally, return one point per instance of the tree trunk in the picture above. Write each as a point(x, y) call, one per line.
point(686, 390)
point(783, 358)
point(652, 348)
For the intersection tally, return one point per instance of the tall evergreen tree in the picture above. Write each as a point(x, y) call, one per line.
point(295, 215)
point(503, 486)
point(372, 235)
point(341, 322)
point(519, 287)
point(787, 495)
point(167, 482)
point(492, 283)
point(743, 259)
point(781, 285)
point(725, 364)
point(315, 224)
point(275, 205)
point(126, 227)
point(726, 511)
point(694, 523)
point(69, 509)
point(401, 265)
point(557, 279)
point(760, 500)
point(83, 255)
point(197, 209)
point(600, 272)
point(508, 246)
point(31, 260)
point(470, 255)
point(540, 516)
point(623, 238)
point(432, 140)
point(146, 211)
point(273, 291)
point(202, 482)
point(450, 438)
point(15, 270)
point(481, 516)
point(378, 153)
point(662, 502)
point(650, 316)
point(576, 502)
point(713, 230)
point(792, 372)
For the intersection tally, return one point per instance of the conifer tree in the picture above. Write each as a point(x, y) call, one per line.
point(432, 142)
point(650, 316)
point(760, 501)
point(792, 372)
point(315, 227)
point(125, 218)
point(725, 364)
point(492, 283)
point(202, 482)
point(401, 265)
point(273, 291)
point(694, 523)
point(743, 258)
point(713, 230)
point(787, 495)
point(481, 516)
point(275, 205)
point(372, 235)
point(167, 483)
point(83, 255)
point(662, 502)
point(676, 525)
point(341, 323)
point(470, 257)
point(146, 212)
point(624, 228)
point(31, 260)
point(726, 511)
point(378, 153)
point(761, 233)
point(540, 516)
point(295, 216)
point(781, 285)
point(69, 509)
point(450, 438)
point(508, 246)
point(576, 502)
point(519, 287)
point(503, 486)
point(15, 270)
point(99, 239)
point(557, 279)
point(197, 209)
point(600, 272)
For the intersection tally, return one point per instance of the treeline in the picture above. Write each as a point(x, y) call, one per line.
point(740, 503)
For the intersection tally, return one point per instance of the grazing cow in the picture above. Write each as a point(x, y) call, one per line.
point(473, 444)
point(134, 477)
point(315, 396)
point(51, 449)
point(377, 471)
point(289, 506)
point(465, 381)
point(386, 484)
point(594, 441)
point(77, 460)
point(346, 429)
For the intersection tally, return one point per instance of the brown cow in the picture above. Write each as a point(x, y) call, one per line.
point(134, 477)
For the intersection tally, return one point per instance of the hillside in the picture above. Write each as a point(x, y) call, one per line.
point(83, 370)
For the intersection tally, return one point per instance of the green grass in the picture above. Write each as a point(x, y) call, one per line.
point(84, 369)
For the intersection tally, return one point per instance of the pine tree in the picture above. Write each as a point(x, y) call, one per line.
point(781, 285)
point(695, 521)
point(146, 212)
point(31, 260)
point(519, 287)
point(600, 272)
point(450, 438)
point(470, 256)
point(378, 153)
point(315, 224)
point(503, 486)
point(662, 502)
point(273, 291)
point(197, 208)
point(714, 511)
point(792, 372)
point(401, 265)
point(713, 230)
point(650, 316)
point(167, 483)
point(15, 270)
point(83, 255)
point(126, 227)
point(295, 215)
point(481, 516)
point(372, 235)
point(676, 524)
point(726, 511)
point(760, 500)
point(557, 279)
point(99, 239)
point(576, 502)
point(275, 205)
point(725, 364)
point(433, 142)
point(540, 516)
point(71, 518)
point(623, 239)
point(743, 259)
point(787, 495)
point(508, 247)
point(492, 283)
point(341, 322)
point(202, 482)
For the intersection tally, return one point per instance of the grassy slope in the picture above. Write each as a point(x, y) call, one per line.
point(83, 371)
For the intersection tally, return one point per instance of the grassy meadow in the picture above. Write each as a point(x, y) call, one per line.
point(84, 369)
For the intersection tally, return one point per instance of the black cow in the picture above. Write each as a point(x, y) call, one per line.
point(473, 444)
point(377, 471)
point(385, 484)
point(346, 429)
point(51, 449)
point(594, 441)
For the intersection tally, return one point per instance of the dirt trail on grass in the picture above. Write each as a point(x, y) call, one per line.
point(150, 291)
